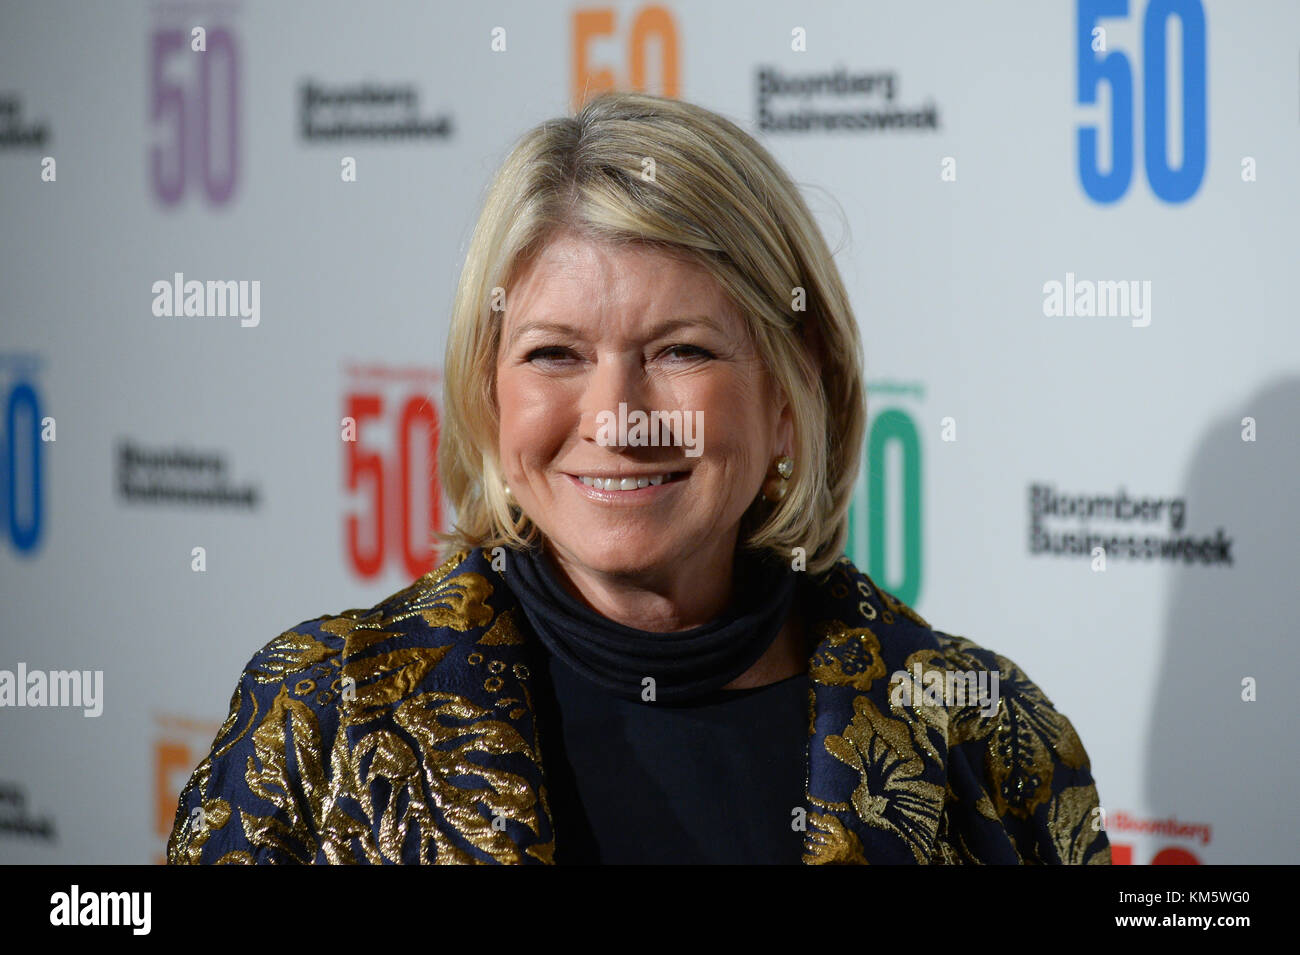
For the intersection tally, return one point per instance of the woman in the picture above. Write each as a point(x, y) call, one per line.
point(646, 646)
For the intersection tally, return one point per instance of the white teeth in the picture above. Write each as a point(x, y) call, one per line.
point(623, 484)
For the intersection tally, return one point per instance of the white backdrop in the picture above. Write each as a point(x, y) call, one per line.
point(953, 200)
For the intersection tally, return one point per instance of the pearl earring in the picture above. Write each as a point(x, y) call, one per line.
point(775, 487)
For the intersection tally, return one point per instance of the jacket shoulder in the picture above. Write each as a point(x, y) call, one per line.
point(1035, 769)
point(1015, 757)
point(268, 784)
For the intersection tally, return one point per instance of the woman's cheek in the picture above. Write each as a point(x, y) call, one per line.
point(534, 417)
point(513, 431)
point(730, 410)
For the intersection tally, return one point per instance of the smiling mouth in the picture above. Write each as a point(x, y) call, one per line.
point(630, 483)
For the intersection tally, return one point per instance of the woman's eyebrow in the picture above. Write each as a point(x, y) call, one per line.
point(688, 321)
point(665, 327)
point(542, 326)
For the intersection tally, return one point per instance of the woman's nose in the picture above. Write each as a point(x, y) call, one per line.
point(613, 382)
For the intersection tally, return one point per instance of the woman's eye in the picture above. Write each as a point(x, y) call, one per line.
point(687, 351)
point(549, 353)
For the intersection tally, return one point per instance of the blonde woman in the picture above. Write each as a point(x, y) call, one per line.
point(645, 645)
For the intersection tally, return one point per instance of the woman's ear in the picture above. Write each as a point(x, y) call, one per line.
point(785, 430)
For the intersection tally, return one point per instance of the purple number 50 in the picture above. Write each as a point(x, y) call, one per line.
point(197, 122)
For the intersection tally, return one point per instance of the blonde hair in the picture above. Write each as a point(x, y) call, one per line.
point(717, 198)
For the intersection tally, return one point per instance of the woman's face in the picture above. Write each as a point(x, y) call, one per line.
point(588, 327)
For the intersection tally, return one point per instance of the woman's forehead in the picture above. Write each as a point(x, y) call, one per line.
point(574, 264)
point(605, 289)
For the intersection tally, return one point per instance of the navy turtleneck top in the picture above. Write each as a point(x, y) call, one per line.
point(716, 780)
point(707, 776)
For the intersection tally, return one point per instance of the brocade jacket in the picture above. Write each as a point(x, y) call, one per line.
point(406, 733)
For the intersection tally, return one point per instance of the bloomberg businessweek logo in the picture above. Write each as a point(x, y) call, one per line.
point(177, 475)
point(1168, 540)
point(366, 112)
point(854, 101)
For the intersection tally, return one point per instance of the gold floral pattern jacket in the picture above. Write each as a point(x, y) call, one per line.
point(406, 733)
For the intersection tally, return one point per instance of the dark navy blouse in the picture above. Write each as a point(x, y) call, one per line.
point(717, 780)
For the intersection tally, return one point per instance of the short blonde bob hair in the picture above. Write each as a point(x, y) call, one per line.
point(638, 168)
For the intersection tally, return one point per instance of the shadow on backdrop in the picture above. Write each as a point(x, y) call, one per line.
point(1212, 757)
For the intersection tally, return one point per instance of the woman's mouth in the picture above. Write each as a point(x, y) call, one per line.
point(629, 482)
point(629, 489)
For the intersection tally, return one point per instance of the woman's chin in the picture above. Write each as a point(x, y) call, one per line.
point(621, 556)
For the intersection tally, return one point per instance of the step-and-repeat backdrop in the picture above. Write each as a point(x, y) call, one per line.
point(1069, 230)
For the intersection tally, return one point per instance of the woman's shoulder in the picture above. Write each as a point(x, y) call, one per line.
point(461, 594)
point(847, 597)
point(914, 655)
point(455, 596)
point(998, 732)
point(245, 801)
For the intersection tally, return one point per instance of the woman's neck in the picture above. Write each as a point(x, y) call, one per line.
point(664, 603)
point(787, 656)
point(692, 593)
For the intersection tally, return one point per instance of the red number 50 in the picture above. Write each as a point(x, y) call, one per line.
point(417, 430)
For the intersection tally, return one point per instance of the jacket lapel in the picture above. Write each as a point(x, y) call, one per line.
point(876, 770)
point(440, 741)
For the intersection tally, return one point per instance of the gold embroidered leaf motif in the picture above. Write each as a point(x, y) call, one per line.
point(342, 625)
point(846, 656)
point(182, 847)
point(1024, 746)
point(292, 830)
point(451, 731)
point(439, 801)
point(400, 599)
point(458, 602)
point(288, 653)
point(891, 794)
point(221, 743)
point(237, 857)
point(361, 637)
point(340, 828)
point(971, 716)
point(827, 842)
point(191, 834)
point(387, 678)
point(542, 853)
point(273, 834)
point(503, 631)
point(384, 762)
point(1026, 735)
point(1070, 820)
point(911, 699)
point(970, 722)
point(984, 806)
point(443, 569)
